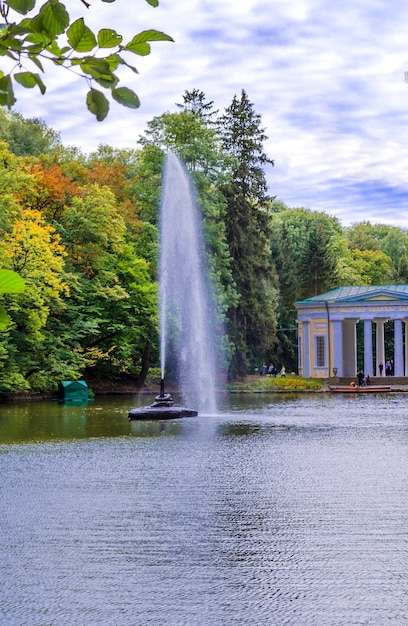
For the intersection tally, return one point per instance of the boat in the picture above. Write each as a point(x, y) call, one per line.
point(162, 408)
point(357, 389)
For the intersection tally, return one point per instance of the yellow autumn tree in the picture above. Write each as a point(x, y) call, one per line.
point(32, 248)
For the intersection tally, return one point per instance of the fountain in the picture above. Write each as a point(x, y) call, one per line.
point(188, 311)
point(163, 407)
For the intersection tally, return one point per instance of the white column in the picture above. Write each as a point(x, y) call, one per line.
point(337, 326)
point(406, 347)
point(368, 348)
point(379, 346)
point(350, 347)
point(398, 349)
point(306, 349)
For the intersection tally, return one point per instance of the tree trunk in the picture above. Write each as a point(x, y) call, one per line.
point(141, 379)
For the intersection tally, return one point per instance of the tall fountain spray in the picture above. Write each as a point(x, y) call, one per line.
point(187, 304)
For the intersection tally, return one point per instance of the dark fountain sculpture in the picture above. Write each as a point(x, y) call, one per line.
point(163, 407)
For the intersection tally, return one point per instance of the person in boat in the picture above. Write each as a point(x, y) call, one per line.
point(360, 377)
point(368, 380)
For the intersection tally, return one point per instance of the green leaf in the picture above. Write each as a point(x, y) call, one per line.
point(108, 38)
point(127, 97)
point(54, 49)
point(6, 92)
point(97, 104)
point(99, 69)
point(151, 35)
point(139, 44)
point(34, 25)
point(11, 282)
point(4, 318)
point(54, 18)
point(142, 49)
point(92, 64)
point(35, 49)
point(29, 80)
point(35, 60)
point(80, 37)
point(113, 60)
point(123, 62)
point(21, 6)
point(153, 3)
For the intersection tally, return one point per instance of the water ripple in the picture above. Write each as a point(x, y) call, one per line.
point(293, 514)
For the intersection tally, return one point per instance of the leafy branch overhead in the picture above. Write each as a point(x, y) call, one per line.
point(50, 35)
point(10, 282)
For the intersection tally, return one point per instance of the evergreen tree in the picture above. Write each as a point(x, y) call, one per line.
point(195, 102)
point(252, 322)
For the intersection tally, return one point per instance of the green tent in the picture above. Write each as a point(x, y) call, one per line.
point(73, 390)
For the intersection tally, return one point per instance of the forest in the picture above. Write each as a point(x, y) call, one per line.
point(82, 231)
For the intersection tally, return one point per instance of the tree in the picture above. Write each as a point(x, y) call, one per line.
point(395, 245)
point(27, 136)
point(195, 102)
point(390, 240)
point(374, 267)
point(252, 321)
point(37, 38)
point(306, 249)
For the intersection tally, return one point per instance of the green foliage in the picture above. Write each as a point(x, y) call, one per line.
point(90, 300)
point(27, 136)
point(390, 241)
point(82, 233)
point(306, 251)
point(251, 320)
point(288, 384)
point(50, 35)
point(372, 267)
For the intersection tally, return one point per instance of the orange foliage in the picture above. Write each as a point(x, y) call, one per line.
point(113, 176)
point(53, 189)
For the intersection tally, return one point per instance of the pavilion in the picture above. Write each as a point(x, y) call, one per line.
point(327, 335)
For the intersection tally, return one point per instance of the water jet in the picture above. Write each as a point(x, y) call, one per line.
point(188, 311)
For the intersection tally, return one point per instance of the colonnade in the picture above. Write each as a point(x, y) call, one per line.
point(327, 331)
point(345, 352)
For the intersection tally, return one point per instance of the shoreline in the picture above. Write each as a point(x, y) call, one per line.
point(124, 389)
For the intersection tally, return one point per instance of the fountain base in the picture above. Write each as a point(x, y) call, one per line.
point(162, 408)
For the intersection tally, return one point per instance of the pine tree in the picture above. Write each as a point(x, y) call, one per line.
point(252, 323)
point(195, 102)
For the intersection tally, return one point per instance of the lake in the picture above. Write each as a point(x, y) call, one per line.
point(279, 509)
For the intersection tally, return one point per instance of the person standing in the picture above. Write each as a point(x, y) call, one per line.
point(381, 367)
point(283, 372)
point(360, 377)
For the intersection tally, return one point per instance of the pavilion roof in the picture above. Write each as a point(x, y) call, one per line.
point(359, 294)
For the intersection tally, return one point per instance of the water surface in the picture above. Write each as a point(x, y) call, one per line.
point(278, 510)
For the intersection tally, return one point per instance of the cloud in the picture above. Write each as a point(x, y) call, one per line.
point(327, 79)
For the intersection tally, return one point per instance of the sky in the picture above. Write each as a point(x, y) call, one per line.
point(327, 79)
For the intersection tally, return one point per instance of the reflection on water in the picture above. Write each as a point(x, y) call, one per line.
point(278, 510)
